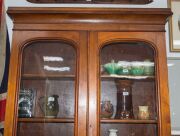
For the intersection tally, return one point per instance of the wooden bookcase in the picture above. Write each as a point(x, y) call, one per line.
point(63, 52)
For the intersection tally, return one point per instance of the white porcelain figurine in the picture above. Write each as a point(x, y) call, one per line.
point(113, 132)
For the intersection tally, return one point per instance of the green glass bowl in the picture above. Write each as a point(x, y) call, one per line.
point(137, 71)
point(124, 68)
point(111, 68)
point(137, 68)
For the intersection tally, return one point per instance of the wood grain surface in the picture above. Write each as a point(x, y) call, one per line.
point(87, 38)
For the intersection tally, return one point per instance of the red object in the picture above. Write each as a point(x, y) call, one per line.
point(3, 83)
point(0, 10)
point(2, 102)
point(2, 109)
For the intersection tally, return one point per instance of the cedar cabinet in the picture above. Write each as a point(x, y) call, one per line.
point(88, 72)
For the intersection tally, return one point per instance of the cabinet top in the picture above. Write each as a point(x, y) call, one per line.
point(120, 16)
point(51, 10)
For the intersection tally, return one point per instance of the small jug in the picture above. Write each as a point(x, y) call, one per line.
point(143, 112)
point(113, 132)
point(49, 106)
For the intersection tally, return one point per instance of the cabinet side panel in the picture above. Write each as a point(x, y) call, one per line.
point(13, 83)
point(163, 86)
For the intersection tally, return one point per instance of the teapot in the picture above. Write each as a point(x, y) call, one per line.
point(49, 105)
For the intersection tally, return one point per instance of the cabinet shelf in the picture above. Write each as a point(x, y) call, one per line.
point(129, 121)
point(48, 76)
point(108, 77)
point(47, 120)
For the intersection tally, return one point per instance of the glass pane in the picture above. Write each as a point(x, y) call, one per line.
point(47, 89)
point(128, 92)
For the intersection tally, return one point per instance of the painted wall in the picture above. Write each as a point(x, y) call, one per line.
point(174, 70)
point(2, 42)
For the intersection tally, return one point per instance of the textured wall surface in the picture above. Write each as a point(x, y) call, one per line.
point(2, 45)
point(174, 72)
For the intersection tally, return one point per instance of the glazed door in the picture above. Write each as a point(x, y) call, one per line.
point(127, 85)
point(51, 93)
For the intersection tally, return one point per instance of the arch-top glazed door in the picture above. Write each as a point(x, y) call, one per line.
point(50, 94)
point(129, 90)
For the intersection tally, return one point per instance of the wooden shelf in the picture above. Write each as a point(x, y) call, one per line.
point(127, 77)
point(133, 121)
point(47, 120)
point(39, 76)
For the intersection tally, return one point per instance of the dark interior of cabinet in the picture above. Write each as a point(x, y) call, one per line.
point(33, 58)
point(133, 51)
point(142, 94)
point(130, 129)
point(45, 129)
point(94, 1)
point(63, 88)
point(43, 71)
point(143, 90)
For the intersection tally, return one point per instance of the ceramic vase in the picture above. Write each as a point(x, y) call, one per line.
point(106, 109)
point(113, 132)
point(143, 113)
point(49, 105)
